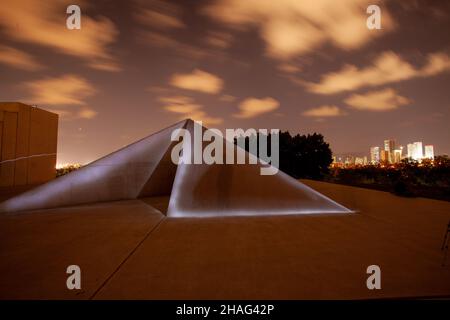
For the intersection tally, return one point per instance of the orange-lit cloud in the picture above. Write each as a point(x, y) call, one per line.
point(221, 40)
point(188, 108)
point(197, 80)
point(160, 40)
point(382, 100)
point(159, 14)
point(289, 68)
point(69, 115)
point(65, 90)
point(205, 118)
point(324, 112)
point(227, 98)
point(290, 28)
point(159, 20)
point(252, 107)
point(87, 113)
point(180, 104)
point(58, 93)
point(387, 68)
point(44, 23)
point(63, 114)
point(18, 59)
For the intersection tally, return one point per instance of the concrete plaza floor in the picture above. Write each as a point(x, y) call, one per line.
point(129, 250)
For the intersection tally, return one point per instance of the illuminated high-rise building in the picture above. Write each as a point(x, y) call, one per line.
point(415, 150)
point(359, 161)
point(429, 152)
point(375, 155)
point(397, 158)
point(418, 151)
point(349, 160)
point(384, 156)
point(389, 146)
point(410, 150)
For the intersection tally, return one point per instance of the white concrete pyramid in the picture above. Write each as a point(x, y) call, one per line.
point(145, 170)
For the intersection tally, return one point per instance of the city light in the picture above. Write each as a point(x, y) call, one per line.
point(388, 155)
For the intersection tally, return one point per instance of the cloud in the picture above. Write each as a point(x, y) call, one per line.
point(160, 40)
point(252, 107)
point(290, 28)
point(157, 89)
point(180, 104)
point(18, 59)
point(158, 23)
point(157, 39)
point(68, 115)
point(436, 63)
point(382, 100)
point(324, 111)
point(207, 120)
point(159, 14)
point(159, 20)
point(44, 23)
point(87, 113)
point(65, 90)
point(221, 40)
point(188, 108)
point(197, 80)
point(57, 93)
point(289, 68)
point(227, 98)
point(105, 66)
point(62, 113)
point(387, 68)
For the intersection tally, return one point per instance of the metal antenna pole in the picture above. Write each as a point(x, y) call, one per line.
point(445, 237)
point(445, 244)
point(445, 254)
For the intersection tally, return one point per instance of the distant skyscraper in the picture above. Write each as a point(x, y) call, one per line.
point(359, 161)
point(415, 150)
point(429, 152)
point(397, 155)
point(375, 155)
point(389, 146)
point(410, 150)
point(418, 150)
point(384, 156)
point(349, 160)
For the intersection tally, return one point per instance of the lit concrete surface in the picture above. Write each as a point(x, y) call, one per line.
point(128, 251)
point(36, 248)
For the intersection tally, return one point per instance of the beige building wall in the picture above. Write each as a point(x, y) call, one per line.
point(28, 142)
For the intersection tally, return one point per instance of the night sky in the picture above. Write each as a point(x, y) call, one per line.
point(304, 66)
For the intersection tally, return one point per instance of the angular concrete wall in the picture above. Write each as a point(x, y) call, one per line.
point(145, 169)
point(28, 142)
point(121, 175)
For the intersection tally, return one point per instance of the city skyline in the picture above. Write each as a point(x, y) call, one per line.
point(390, 153)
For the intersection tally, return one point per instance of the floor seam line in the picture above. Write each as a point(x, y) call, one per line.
point(126, 259)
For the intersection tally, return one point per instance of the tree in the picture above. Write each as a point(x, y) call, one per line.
point(302, 156)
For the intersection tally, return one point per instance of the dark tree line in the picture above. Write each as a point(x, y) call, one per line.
point(302, 156)
point(409, 178)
